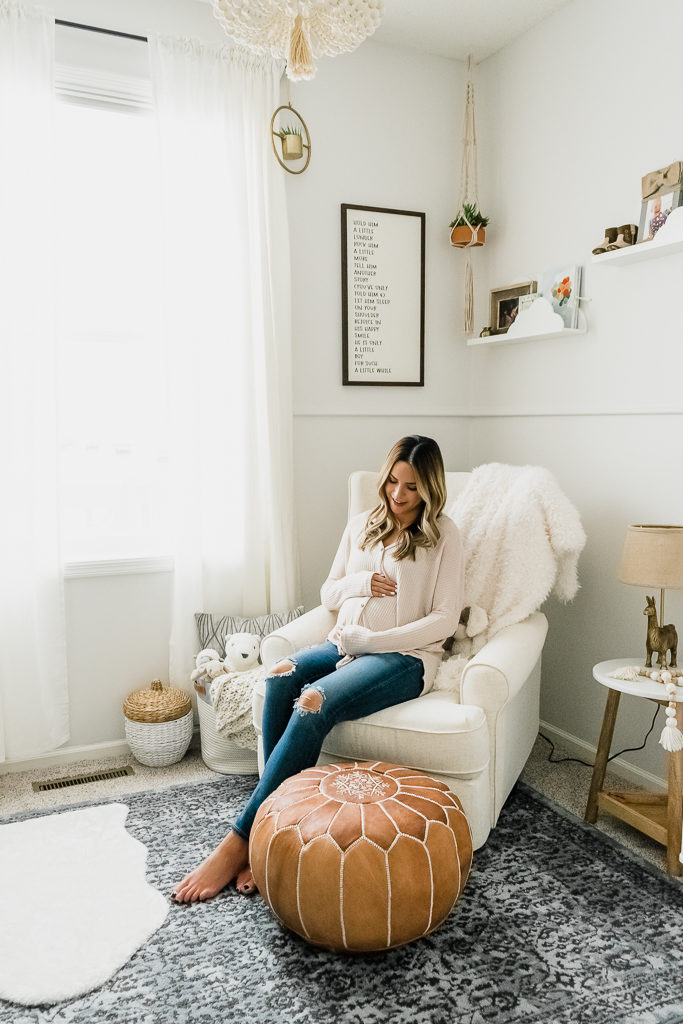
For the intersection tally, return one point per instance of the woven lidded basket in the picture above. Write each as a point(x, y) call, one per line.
point(158, 724)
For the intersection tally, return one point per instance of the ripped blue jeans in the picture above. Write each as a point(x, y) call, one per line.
point(303, 704)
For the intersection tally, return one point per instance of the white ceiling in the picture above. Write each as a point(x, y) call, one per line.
point(456, 28)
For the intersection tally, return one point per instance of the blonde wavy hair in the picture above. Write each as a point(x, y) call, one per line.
point(424, 457)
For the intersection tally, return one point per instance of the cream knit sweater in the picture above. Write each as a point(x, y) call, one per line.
point(424, 612)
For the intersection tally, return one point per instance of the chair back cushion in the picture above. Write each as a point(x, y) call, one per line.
point(363, 490)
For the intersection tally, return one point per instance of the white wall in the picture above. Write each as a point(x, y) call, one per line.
point(385, 126)
point(575, 113)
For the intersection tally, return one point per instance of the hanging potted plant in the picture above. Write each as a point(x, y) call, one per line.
point(468, 220)
point(292, 142)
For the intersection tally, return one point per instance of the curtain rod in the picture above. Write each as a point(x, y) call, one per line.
point(104, 31)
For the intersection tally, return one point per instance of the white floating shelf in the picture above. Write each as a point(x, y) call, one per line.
point(668, 240)
point(502, 339)
point(537, 323)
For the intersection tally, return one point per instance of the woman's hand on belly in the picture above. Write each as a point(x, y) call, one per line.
point(382, 586)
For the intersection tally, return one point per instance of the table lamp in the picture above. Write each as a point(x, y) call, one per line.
point(653, 557)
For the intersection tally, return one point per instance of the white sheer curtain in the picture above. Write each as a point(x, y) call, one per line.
point(34, 714)
point(227, 323)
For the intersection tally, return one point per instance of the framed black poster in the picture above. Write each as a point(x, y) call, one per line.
point(383, 296)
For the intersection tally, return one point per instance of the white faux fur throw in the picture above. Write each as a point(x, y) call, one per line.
point(522, 538)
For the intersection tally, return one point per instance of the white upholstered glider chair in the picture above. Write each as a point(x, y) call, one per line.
point(478, 743)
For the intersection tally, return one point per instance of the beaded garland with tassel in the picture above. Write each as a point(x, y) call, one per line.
point(299, 31)
point(672, 737)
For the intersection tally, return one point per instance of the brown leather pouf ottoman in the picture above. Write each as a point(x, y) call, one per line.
point(361, 857)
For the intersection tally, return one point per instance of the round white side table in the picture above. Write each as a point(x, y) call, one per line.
point(658, 815)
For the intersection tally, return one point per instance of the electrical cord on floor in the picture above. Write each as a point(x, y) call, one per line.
point(577, 760)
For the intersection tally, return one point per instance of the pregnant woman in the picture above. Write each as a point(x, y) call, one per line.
point(396, 585)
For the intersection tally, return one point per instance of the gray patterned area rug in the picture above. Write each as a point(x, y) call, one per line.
point(556, 925)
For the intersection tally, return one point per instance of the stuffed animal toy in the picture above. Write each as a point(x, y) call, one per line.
point(241, 652)
point(205, 663)
point(231, 692)
point(469, 638)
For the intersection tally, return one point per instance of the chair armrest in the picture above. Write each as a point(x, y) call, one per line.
point(308, 629)
point(500, 669)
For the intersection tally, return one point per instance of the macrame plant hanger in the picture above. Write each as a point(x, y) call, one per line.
point(469, 195)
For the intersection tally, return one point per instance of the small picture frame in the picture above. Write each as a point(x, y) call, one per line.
point(504, 305)
point(654, 212)
point(527, 301)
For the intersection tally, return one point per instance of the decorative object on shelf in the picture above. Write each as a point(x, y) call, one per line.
point(295, 140)
point(299, 31)
point(627, 234)
point(666, 179)
point(468, 220)
point(527, 301)
point(538, 317)
point(653, 557)
point(485, 332)
point(504, 305)
point(561, 288)
point(158, 724)
point(383, 296)
point(617, 238)
point(668, 240)
point(468, 225)
point(655, 212)
point(609, 240)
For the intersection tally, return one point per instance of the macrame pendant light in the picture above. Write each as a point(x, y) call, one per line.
point(299, 31)
point(469, 195)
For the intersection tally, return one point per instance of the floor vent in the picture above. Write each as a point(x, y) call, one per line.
point(78, 780)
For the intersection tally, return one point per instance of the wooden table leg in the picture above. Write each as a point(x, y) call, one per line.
point(602, 754)
point(675, 805)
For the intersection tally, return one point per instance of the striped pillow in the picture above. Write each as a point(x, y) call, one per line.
point(212, 629)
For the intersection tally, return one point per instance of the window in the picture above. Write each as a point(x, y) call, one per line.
point(113, 395)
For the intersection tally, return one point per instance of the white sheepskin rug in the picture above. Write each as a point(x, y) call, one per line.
point(75, 903)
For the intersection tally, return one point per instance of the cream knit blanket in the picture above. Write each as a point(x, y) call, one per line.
point(231, 695)
point(522, 538)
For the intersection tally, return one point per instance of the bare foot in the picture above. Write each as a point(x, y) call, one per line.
point(227, 861)
point(245, 884)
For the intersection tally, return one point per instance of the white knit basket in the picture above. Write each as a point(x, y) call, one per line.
point(219, 753)
point(159, 743)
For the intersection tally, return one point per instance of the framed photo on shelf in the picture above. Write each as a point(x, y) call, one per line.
point(504, 305)
point(561, 287)
point(383, 296)
point(654, 212)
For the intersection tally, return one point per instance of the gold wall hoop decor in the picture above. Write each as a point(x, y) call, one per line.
point(295, 145)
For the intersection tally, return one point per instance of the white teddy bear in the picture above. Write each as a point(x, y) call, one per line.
point(241, 651)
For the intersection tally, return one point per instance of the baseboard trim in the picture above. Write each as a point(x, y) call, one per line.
point(66, 755)
point(71, 754)
point(586, 751)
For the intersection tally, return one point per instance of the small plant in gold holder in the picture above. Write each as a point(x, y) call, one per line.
point(294, 140)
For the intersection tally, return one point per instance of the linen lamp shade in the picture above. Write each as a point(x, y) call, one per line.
point(652, 557)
